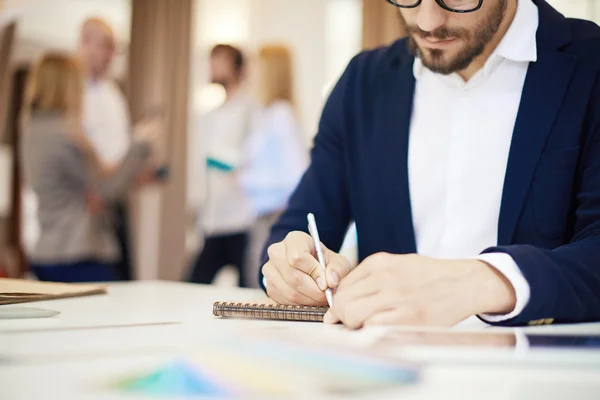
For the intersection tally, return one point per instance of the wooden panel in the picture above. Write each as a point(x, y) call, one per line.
point(11, 254)
point(159, 75)
point(19, 79)
point(7, 38)
point(381, 24)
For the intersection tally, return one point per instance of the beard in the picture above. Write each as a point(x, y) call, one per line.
point(476, 40)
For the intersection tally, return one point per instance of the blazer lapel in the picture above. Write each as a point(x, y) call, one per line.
point(545, 87)
point(396, 104)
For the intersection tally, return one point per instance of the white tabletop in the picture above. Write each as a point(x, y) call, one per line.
point(142, 325)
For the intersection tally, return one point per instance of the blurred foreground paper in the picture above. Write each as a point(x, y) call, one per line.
point(14, 291)
point(5, 180)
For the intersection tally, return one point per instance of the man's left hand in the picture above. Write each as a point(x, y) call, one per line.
point(388, 289)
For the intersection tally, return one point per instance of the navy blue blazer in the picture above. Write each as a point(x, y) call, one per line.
point(549, 220)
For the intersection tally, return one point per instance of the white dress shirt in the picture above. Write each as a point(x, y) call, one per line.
point(460, 138)
point(227, 210)
point(106, 120)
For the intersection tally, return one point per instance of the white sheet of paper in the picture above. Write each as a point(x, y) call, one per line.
point(26, 313)
point(5, 180)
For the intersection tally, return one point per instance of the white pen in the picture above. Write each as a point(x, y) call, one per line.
point(314, 233)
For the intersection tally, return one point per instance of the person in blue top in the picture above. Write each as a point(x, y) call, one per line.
point(468, 155)
point(276, 155)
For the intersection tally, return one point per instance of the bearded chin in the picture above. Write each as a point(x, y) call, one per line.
point(435, 61)
point(476, 43)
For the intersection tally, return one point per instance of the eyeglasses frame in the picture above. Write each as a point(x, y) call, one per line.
point(441, 4)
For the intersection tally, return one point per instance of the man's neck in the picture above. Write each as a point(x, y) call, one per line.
point(480, 61)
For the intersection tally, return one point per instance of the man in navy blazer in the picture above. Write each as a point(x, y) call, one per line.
point(468, 155)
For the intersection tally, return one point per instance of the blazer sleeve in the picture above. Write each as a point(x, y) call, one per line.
point(110, 187)
point(323, 188)
point(565, 282)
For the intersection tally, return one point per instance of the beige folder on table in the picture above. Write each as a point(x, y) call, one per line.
point(13, 291)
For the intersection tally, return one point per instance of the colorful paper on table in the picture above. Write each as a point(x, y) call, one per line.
point(249, 368)
point(326, 371)
point(175, 379)
point(228, 377)
point(266, 365)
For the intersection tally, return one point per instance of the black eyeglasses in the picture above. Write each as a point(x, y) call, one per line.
point(457, 6)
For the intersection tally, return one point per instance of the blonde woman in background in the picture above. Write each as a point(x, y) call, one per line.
point(76, 243)
point(276, 155)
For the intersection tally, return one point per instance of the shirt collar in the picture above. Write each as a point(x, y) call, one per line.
point(519, 42)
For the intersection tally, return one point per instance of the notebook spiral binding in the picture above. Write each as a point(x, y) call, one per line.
point(269, 311)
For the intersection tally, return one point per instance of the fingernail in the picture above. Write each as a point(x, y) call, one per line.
point(328, 318)
point(321, 283)
point(333, 279)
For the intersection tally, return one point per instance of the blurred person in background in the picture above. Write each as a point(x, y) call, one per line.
point(227, 215)
point(62, 167)
point(276, 155)
point(107, 123)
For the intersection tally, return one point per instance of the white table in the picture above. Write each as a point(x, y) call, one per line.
point(143, 324)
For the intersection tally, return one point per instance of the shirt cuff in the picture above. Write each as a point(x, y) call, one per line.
point(507, 266)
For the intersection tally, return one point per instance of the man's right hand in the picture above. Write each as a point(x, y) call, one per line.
point(294, 276)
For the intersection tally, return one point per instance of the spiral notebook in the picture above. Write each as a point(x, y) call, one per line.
point(268, 311)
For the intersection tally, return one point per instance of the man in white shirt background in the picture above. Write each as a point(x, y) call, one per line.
point(469, 157)
point(227, 215)
point(106, 122)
